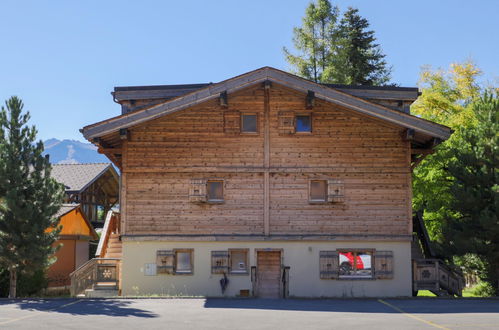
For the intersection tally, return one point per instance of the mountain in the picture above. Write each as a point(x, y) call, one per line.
point(72, 152)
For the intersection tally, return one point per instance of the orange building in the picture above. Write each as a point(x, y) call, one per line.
point(74, 244)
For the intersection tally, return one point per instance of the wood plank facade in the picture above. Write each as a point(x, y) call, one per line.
point(369, 156)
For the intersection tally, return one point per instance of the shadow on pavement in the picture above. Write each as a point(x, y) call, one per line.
point(414, 306)
point(105, 307)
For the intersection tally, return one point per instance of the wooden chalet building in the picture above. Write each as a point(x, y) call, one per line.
point(92, 185)
point(266, 184)
point(73, 243)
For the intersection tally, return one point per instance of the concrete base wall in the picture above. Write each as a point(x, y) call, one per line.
point(302, 258)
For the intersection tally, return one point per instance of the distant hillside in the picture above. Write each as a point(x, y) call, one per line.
point(72, 152)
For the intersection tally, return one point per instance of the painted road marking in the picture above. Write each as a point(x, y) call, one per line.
point(412, 315)
point(39, 312)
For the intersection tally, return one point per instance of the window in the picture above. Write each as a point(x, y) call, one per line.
point(183, 262)
point(238, 261)
point(215, 191)
point(249, 123)
point(355, 264)
point(303, 123)
point(234, 261)
point(318, 191)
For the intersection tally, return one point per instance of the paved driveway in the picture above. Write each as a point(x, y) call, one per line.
point(145, 314)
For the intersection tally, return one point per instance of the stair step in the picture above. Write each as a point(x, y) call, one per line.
point(91, 293)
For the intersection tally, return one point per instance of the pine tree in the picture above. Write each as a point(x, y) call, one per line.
point(30, 197)
point(358, 59)
point(315, 40)
point(475, 190)
point(344, 53)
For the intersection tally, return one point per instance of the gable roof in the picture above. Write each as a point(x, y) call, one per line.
point(76, 177)
point(212, 91)
point(65, 209)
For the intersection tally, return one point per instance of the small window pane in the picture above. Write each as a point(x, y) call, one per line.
point(238, 262)
point(248, 123)
point(183, 262)
point(363, 264)
point(355, 264)
point(215, 191)
point(347, 264)
point(303, 123)
point(318, 190)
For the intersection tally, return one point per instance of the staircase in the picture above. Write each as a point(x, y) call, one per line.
point(100, 277)
point(113, 249)
point(428, 272)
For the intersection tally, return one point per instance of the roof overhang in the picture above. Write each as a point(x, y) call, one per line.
point(212, 91)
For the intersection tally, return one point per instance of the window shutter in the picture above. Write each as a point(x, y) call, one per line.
point(219, 262)
point(165, 261)
point(286, 122)
point(336, 191)
point(197, 191)
point(232, 122)
point(328, 263)
point(383, 265)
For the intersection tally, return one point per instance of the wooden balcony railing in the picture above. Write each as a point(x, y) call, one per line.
point(434, 275)
point(94, 274)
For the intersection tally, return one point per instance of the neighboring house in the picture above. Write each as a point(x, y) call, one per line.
point(94, 186)
point(265, 184)
point(88, 189)
point(73, 244)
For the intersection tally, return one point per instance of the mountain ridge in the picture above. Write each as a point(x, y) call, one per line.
point(72, 152)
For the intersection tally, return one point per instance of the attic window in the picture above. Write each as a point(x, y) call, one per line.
point(215, 191)
point(249, 123)
point(303, 124)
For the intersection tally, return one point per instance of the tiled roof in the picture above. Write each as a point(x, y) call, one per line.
point(77, 176)
point(66, 208)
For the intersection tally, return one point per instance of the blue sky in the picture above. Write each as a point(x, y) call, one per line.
point(63, 58)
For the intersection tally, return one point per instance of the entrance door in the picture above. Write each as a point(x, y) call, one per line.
point(268, 281)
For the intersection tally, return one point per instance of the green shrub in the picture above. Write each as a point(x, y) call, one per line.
point(27, 284)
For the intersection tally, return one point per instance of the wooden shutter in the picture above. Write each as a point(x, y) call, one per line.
point(383, 265)
point(328, 263)
point(165, 261)
point(286, 122)
point(232, 122)
point(219, 262)
point(335, 191)
point(197, 191)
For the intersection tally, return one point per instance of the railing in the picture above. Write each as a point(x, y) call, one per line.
point(95, 272)
point(111, 224)
point(434, 275)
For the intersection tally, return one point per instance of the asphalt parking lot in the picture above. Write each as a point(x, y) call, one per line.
point(249, 314)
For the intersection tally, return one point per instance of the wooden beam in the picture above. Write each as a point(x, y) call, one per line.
point(112, 151)
point(310, 100)
point(124, 134)
point(223, 99)
point(409, 134)
point(421, 151)
point(266, 160)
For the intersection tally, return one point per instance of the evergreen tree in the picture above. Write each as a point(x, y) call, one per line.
point(344, 53)
point(475, 190)
point(358, 59)
point(30, 196)
point(315, 40)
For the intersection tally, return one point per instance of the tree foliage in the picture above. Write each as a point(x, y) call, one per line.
point(475, 189)
point(30, 196)
point(455, 186)
point(337, 51)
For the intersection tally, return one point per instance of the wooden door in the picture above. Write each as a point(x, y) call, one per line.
point(268, 279)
